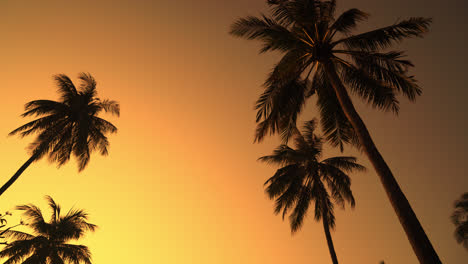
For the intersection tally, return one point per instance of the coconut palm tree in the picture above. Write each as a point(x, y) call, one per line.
point(49, 242)
point(321, 57)
point(460, 220)
point(303, 179)
point(68, 126)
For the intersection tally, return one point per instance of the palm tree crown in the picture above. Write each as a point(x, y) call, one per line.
point(71, 125)
point(48, 244)
point(68, 126)
point(460, 220)
point(304, 179)
point(312, 40)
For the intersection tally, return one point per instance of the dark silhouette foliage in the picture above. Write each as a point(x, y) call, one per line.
point(304, 179)
point(49, 241)
point(321, 57)
point(460, 220)
point(70, 126)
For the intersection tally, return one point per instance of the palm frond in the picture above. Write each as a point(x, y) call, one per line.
point(17, 235)
point(383, 37)
point(279, 107)
point(375, 92)
point(74, 253)
point(335, 125)
point(280, 181)
point(102, 125)
point(347, 21)
point(282, 155)
point(272, 34)
point(88, 84)
point(284, 186)
point(299, 12)
point(344, 163)
point(38, 125)
point(390, 69)
point(43, 107)
point(34, 217)
point(55, 208)
point(67, 89)
point(300, 210)
point(17, 250)
point(110, 106)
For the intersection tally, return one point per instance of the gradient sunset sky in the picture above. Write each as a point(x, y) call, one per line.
point(181, 183)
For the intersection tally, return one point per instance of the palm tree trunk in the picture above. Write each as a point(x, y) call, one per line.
point(326, 228)
point(18, 173)
point(418, 239)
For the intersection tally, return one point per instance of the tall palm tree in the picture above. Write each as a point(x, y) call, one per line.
point(49, 242)
point(303, 179)
point(68, 126)
point(322, 57)
point(460, 220)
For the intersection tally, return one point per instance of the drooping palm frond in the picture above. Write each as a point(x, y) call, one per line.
point(304, 200)
point(279, 107)
point(335, 125)
point(110, 106)
point(388, 68)
point(377, 93)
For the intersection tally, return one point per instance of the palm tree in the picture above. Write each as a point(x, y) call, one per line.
point(68, 126)
point(322, 57)
point(302, 179)
point(460, 220)
point(48, 244)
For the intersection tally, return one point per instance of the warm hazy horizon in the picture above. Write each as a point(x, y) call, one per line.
point(181, 183)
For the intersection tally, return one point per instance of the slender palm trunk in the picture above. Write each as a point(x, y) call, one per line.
point(18, 173)
point(418, 239)
point(326, 228)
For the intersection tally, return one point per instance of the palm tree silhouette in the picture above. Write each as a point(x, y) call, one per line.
point(302, 179)
point(460, 220)
point(49, 241)
point(69, 126)
point(321, 57)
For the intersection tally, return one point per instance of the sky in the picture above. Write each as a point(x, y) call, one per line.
point(181, 183)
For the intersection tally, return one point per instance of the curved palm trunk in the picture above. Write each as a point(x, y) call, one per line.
point(331, 248)
point(18, 173)
point(418, 239)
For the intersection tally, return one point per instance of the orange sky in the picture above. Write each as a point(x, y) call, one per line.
point(181, 183)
